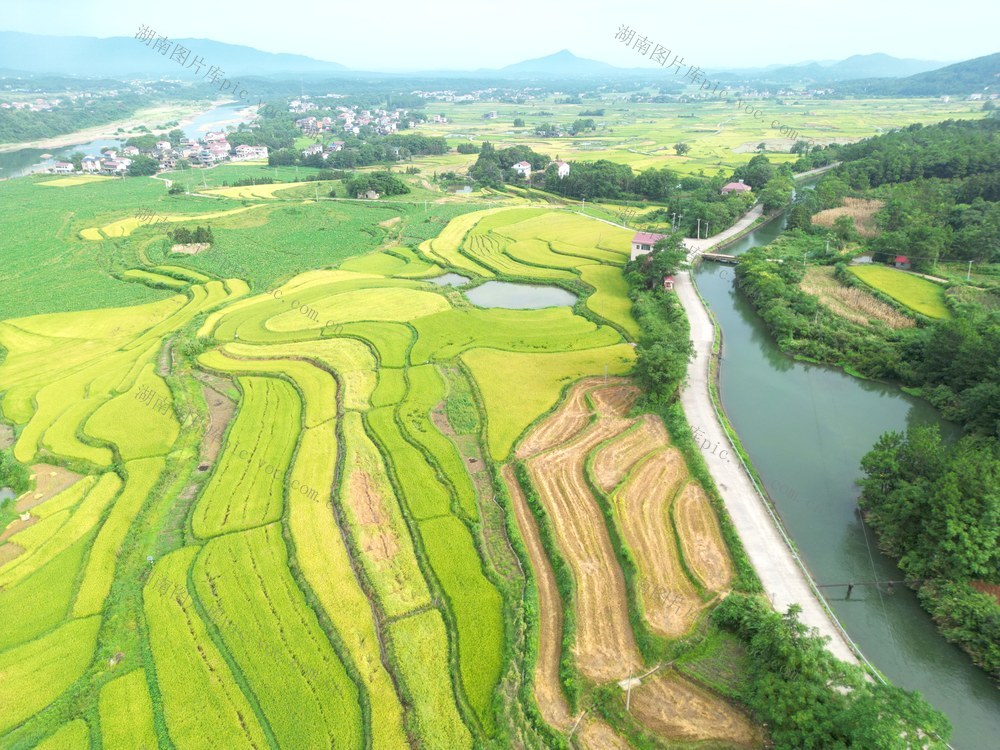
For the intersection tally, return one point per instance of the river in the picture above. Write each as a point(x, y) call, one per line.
point(28, 160)
point(806, 428)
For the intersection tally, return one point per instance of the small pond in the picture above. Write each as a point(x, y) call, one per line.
point(519, 296)
point(6, 493)
point(449, 279)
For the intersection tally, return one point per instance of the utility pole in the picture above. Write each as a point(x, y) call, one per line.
point(699, 229)
point(968, 274)
point(673, 223)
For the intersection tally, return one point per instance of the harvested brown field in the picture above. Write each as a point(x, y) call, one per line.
point(49, 481)
point(861, 210)
point(596, 735)
point(849, 302)
point(566, 421)
point(672, 706)
point(605, 647)
point(614, 461)
point(548, 690)
point(642, 508)
point(701, 539)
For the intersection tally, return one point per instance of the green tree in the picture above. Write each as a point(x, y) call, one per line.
point(681, 148)
point(143, 166)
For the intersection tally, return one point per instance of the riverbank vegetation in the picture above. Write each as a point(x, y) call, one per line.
point(936, 507)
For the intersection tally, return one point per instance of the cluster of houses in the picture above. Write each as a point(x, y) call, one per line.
point(214, 148)
point(523, 169)
point(351, 120)
point(37, 105)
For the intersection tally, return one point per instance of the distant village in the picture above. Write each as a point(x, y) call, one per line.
point(212, 149)
point(352, 119)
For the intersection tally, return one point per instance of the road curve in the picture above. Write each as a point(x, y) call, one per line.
point(783, 578)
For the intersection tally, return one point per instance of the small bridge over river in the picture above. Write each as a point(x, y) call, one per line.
point(720, 258)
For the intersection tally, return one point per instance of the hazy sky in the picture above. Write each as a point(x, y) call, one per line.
point(408, 34)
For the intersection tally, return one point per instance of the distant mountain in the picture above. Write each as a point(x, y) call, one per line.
point(877, 65)
point(562, 64)
point(124, 57)
point(980, 75)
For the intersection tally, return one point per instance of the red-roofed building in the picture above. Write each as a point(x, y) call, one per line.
point(668, 283)
point(642, 243)
point(736, 187)
point(902, 262)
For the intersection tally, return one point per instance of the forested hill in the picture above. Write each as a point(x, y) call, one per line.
point(969, 77)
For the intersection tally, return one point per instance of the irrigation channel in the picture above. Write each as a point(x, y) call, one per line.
point(806, 428)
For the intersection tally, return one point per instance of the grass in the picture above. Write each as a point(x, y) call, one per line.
point(70, 736)
point(36, 673)
point(246, 489)
point(377, 527)
point(446, 335)
point(126, 712)
point(420, 646)
point(476, 606)
point(244, 578)
point(326, 565)
point(189, 666)
point(919, 295)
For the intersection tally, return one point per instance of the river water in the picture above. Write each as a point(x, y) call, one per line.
point(806, 428)
point(28, 160)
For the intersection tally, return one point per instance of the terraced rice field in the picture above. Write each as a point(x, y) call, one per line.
point(589, 452)
point(245, 502)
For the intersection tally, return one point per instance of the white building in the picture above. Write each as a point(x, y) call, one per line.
point(562, 169)
point(523, 168)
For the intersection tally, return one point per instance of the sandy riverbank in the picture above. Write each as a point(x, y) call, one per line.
point(162, 114)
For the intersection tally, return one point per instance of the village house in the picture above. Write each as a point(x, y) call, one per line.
point(244, 152)
point(336, 146)
point(736, 187)
point(62, 167)
point(523, 168)
point(115, 166)
point(642, 243)
point(368, 195)
point(163, 145)
point(91, 164)
point(668, 283)
point(562, 169)
point(130, 151)
point(315, 148)
point(902, 263)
